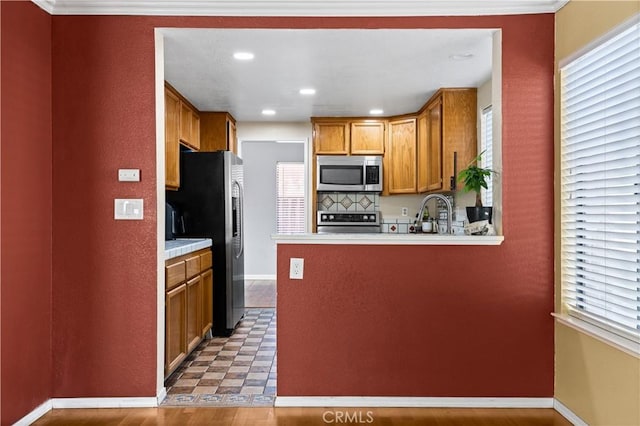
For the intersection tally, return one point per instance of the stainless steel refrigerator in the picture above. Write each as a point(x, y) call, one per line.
point(210, 200)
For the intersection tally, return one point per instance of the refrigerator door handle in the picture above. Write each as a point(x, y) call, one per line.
point(240, 213)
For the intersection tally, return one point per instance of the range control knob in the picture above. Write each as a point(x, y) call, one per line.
point(331, 217)
point(323, 217)
point(365, 217)
point(372, 218)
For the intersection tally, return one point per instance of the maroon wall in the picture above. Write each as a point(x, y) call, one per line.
point(25, 225)
point(104, 272)
point(441, 321)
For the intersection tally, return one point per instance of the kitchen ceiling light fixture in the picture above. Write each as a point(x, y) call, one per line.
point(243, 56)
point(308, 91)
point(376, 111)
point(268, 112)
point(461, 56)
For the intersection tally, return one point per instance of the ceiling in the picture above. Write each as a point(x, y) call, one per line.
point(352, 71)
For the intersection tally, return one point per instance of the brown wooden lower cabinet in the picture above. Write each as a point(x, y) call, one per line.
point(207, 301)
point(188, 305)
point(175, 327)
point(194, 312)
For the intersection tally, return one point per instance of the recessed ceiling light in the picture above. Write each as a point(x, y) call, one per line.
point(376, 111)
point(461, 57)
point(268, 112)
point(243, 56)
point(308, 91)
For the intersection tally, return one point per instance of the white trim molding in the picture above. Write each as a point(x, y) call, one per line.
point(568, 414)
point(390, 239)
point(34, 415)
point(129, 402)
point(260, 277)
point(625, 345)
point(411, 402)
point(300, 7)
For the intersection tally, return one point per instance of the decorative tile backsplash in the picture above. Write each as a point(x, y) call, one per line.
point(348, 202)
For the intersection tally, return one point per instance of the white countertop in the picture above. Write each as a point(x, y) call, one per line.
point(180, 246)
point(389, 239)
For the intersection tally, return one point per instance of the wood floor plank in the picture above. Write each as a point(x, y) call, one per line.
point(269, 416)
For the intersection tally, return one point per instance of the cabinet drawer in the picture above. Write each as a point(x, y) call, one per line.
point(175, 273)
point(193, 266)
point(206, 260)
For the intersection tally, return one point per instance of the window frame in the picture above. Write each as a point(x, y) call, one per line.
point(598, 328)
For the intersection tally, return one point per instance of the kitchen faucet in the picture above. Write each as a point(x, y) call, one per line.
point(445, 200)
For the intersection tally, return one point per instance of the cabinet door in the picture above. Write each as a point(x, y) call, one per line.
point(185, 123)
point(367, 138)
point(423, 164)
point(175, 328)
point(195, 131)
point(459, 131)
point(171, 140)
point(207, 301)
point(331, 138)
point(232, 141)
point(434, 147)
point(402, 156)
point(194, 312)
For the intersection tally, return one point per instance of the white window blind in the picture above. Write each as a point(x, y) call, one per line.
point(486, 146)
point(600, 184)
point(290, 198)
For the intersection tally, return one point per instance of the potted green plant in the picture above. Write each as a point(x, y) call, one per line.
point(475, 178)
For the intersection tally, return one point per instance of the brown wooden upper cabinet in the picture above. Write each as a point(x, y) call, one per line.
point(189, 126)
point(181, 126)
point(218, 132)
point(171, 139)
point(430, 147)
point(367, 137)
point(331, 137)
point(400, 164)
point(457, 129)
point(348, 136)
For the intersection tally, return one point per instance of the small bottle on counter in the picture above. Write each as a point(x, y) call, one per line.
point(427, 224)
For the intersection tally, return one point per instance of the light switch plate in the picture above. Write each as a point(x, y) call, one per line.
point(128, 209)
point(129, 175)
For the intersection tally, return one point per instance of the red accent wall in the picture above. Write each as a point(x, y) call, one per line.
point(441, 321)
point(25, 200)
point(369, 326)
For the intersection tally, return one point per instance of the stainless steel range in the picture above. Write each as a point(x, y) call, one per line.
point(348, 223)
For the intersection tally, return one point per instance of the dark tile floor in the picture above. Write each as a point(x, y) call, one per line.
point(239, 370)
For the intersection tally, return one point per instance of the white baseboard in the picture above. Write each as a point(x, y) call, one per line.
point(130, 402)
point(34, 415)
point(162, 394)
point(358, 401)
point(322, 401)
point(568, 414)
point(260, 277)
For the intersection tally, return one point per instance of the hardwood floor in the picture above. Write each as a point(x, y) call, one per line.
point(305, 416)
point(260, 294)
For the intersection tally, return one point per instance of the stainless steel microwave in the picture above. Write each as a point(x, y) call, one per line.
point(358, 173)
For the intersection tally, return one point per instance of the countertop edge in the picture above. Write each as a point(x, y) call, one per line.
point(188, 247)
point(389, 239)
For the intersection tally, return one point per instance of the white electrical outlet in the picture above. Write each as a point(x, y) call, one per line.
point(405, 211)
point(296, 268)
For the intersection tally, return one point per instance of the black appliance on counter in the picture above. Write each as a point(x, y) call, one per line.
point(210, 202)
point(173, 223)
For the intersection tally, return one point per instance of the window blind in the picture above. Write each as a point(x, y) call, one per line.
point(486, 146)
point(600, 184)
point(290, 198)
